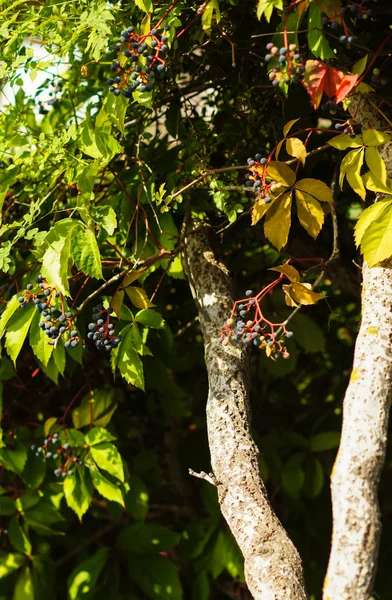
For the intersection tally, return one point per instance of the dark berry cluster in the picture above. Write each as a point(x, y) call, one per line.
point(257, 179)
point(248, 325)
point(52, 450)
point(56, 320)
point(145, 56)
point(101, 330)
point(288, 65)
point(350, 129)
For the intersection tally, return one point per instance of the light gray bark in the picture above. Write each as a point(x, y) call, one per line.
point(273, 567)
point(356, 474)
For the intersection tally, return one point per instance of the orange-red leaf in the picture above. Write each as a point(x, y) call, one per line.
point(321, 78)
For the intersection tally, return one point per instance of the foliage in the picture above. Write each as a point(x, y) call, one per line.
point(102, 378)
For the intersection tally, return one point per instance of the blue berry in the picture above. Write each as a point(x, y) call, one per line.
point(267, 199)
point(117, 80)
point(258, 157)
point(263, 161)
point(342, 39)
point(289, 334)
point(335, 25)
point(249, 293)
point(324, 21)
point(74, 343)
point(153, 44)
point(117, 92)
point(116, 48)
point(130, 29)
point(29, 286)
point(20, 299)
point(67, 344)
point(164, 48)
point(61, 330)
point(267, 57)
point(160, 68)
point(68, 314)
point(127, 53)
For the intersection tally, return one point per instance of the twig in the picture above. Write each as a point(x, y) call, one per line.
point(202, 475)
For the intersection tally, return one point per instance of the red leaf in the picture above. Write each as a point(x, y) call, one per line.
point(320, 78)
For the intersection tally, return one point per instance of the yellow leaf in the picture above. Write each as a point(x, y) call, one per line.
point(259, 210)
point(287, 297)
point(138, 297)
point(367, 217)
point(131, 277)
point(310, 213)
point(372, 137)
point(145, 25)
point(117, 301)
point(281, 173)
point(303, 293)
point(376, 164)
point(278, 148)
point(344, 141)
point(288, 270)
point(354, 176)
point(360, 65)
point(373, 185)
point(316, 188)
point(278, 220)
point(288, 126)
point(346, 164)
point(376, 243)
point(295, 147)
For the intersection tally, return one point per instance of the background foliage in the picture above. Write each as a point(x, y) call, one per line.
point(95, 499)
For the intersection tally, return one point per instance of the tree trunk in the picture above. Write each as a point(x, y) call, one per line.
point(356, 474)
point(273, 567)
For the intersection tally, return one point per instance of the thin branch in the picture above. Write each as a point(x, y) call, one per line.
point(210, 477)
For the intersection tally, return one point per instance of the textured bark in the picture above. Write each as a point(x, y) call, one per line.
point(356, 474)
point(273, 568)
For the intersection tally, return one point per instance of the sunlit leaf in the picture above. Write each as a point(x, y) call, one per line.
point(316, 188)
point(303, 293)
point(376, 242)
point(259, 210)
point(278, 220)
point(295, 147)
point(360, 65)
point(373, 185)
point(290, 272)
point(281, 173)
point(372, 137)
point(344, 141)
point(266, 7)
point(138, 297)
point(310, 213)
point(288, 126)
point(376, 164)
point(354, 176)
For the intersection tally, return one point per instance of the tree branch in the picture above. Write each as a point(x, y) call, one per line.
point(356, 473)
point(273, 568)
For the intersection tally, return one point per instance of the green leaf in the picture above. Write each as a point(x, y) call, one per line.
point(317, 41)
point(138, 297)
point(307, 333)
point(108, 458)
point(105, 217)
point(7, 506)
point(293, 476)
point(17, 537)
point(17, 331)
point(14, 458)
point(348, 162)
point(144, 5)
point(327, 440)
point(97, 435)
point(83, 579)
point(278, 220)
point(24, 589)
point(34, 470)
point(376, 164)
point(150, 318)
point(116, 106)
point(266, 7)
point(201, 587)
point(59, 357)
point(376, 243)
point(136, 500)
point(85, 252)
point(147, 538)
point(10, 562)
point(78, 491)
point(128, 362)
point(10, 309)
point(210, 11)
point(367, 217)
point(107, 489)
point(86, 179)
point(39, 341)
point(360, 65)
point(314, 477)
point(156, 576)
point(96, 408)
point(55, 264)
